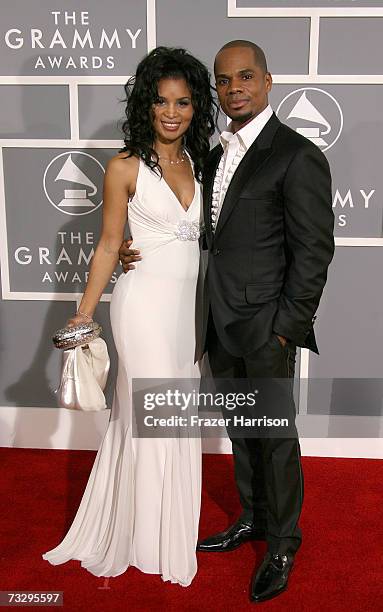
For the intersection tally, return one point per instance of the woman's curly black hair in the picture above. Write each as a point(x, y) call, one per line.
point(142, 92)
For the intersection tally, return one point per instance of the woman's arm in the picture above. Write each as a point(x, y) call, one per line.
point(119, 183)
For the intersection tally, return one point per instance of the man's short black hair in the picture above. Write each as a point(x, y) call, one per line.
point(260, 58)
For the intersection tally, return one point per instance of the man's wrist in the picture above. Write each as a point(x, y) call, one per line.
point(282, 339)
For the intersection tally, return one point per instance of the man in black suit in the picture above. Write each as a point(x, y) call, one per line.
point(269, 234)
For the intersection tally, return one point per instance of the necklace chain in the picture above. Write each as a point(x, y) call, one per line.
point(176, 162)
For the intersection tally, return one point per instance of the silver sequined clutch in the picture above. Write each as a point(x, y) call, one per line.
point(70, 337)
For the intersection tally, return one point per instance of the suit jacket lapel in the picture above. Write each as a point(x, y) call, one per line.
point(251, 163)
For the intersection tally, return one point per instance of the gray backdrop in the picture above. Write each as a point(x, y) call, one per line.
point(62, 75)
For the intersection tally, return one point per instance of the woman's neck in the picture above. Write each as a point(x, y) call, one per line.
point(172, 151)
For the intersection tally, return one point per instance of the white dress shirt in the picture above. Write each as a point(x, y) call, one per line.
point(235, 147)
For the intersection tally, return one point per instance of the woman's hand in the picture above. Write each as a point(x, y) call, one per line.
point(78, 319)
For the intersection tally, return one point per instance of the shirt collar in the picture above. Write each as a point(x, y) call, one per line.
point(246, 135)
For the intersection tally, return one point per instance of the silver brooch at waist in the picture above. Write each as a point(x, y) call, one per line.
point(187, 230)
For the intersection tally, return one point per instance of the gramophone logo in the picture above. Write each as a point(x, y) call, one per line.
point(314, 113)
point(73, 183)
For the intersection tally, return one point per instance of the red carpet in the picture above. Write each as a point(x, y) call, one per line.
point(339, 566)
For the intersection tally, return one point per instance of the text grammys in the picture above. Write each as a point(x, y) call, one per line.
point(73, 38)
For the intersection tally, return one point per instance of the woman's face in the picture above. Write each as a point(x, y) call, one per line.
point(173, 111)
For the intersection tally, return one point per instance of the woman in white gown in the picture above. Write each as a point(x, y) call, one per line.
point(142, 500)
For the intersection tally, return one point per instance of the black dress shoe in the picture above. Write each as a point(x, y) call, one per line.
point(233, 537)
point(272, 576)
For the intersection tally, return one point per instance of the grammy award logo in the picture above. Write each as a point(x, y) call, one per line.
point(314, 113)
point(73, 183)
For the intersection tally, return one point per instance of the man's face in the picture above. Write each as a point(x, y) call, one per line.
point(242, 86)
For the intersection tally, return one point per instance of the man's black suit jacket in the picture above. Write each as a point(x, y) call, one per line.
point(268, 258)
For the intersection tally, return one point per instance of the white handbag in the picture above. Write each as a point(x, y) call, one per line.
point(83, 376)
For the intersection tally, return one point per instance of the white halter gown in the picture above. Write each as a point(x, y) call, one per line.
point(141, 504)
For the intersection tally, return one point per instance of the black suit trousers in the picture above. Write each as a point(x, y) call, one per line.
point(268, 471)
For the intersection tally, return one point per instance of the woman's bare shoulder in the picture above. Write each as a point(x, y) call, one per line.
point(121, 164)
point(123, 169)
